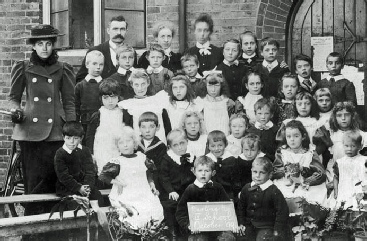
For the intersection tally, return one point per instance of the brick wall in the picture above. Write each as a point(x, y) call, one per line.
point(16, 18)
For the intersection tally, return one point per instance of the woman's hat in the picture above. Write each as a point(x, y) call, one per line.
point(43, 31)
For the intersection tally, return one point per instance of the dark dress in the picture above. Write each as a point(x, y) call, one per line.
point(172, 62)
point(207, 62)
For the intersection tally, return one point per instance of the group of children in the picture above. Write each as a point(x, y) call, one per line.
point(229, 126)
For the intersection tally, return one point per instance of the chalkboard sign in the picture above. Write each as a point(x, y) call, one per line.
point(212, 216)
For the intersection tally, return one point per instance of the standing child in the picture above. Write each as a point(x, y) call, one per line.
point(254, 85)
point(238, 124)
point(323, 99)
point(264, 127)
point(303, 65)
point(208, 55)
point(175, 176)
point(297, 169)
point(350, 169)
point(87, 91)
point(202, 190)
point(341, 89)
point(270, 69)
point(74, 165)
point(249, 55)
point(190, 65)
point(193, 124)
point(125, 172)
point(159, 75)
point(285, 106)
point(125, 58)
point(233, 71)
point(262, 210)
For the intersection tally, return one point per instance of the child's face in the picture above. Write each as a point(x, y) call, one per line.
point(213, 89)
point(126, 145)
point(303, 69)
point(190, 68)
point(179, 145)
point(294, 138)
point(95, 66)
point(217, 148)
point(192, 126)
point(250, 152)
point(230, 52)
point(140, 86)
point(110, 101)
point(351, 148)
point(202, 32)
point(259, 174)
point(289, 88)
point(203, 173)
point(148, 130)
point(126, 60)
point(263, 115)
point(164, 38)
point(179, 89)
point(72, 142)
point(248, 45)
point(254, 84)
point(155, 59)
point(334, 65)
point(303, 107)
point(269, 52)
point(324, 103)
point(344, 119)
point(238, 127)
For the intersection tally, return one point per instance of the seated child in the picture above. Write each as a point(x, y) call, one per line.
point(152, 147)
point(341, 89)
point(261, 218)
point(264, 127)
point(251, 149)
point(190, 66)
point(193, 124)
point(87, 91)
point(237, 124)
point(202, 190)
point(303, 65)
point(159, 75)
point(131, 193)
point(74, 166)
point(175, 177)
point(125, 58)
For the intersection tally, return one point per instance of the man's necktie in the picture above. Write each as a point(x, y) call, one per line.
point(308, 83)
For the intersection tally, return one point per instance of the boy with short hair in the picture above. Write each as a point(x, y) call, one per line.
point(125, 56)
point(190, 66)
point(87, 91)
point(74, 165)
point(304, 69)
point(202, 190)
point(152, 147)
point(341, 89)
point(262, 209)
point(270, 70)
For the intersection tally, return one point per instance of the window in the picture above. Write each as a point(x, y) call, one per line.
point(85, 22)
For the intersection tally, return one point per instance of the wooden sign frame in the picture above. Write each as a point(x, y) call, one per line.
point(212, 216)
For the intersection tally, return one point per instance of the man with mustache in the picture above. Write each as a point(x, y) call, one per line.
point(117, 29)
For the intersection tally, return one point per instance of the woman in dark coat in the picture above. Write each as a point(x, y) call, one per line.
point(49, 86)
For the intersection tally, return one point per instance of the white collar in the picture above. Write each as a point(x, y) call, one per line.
point(267, 125)
point(200, 184)
point(272, 64)
point(197, 76)
point(176, 158)
point(168, 51)
point(112, 45)
point(260, 154)
point(151, 70)
point(263, 186)
point(123, 71)
point(89, 77)
point(225, 155)
point(215, 99)
point(147, 143)
point(230, 64)
point(245, 56)
point(205, 45)
point(68, 150)
point(301, 79)
point(336, 78)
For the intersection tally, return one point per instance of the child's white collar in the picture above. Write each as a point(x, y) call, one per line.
point(168, 51)
point(245, 56)
point(200, 184)
point(263, 186)
point(272, 64)
point(123, 71)
point(225, 155)
point(176, 158)
point(336, 77)
point(260, 154)
point(266, 126)
point(70, 151)
point(151, 70)
point(226, 62)
point(89, 77)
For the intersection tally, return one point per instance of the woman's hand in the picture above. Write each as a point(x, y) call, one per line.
point(174, 196)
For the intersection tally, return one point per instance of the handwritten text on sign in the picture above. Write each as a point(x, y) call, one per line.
point(212, 216)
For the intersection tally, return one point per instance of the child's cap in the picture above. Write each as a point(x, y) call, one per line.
point(73, 128)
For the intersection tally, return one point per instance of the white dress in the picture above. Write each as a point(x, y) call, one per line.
point(197, 148)
point(248, 103)
point(234, 146)
point(137, 191)
point(216, 114)
point(105, 146)
point(178, 108)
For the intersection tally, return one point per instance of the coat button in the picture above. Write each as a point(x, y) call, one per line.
point(35, 119)
point(36, 99)
point(49, 99)
point(49, 120)
point(34, 80)
point(49, 81)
